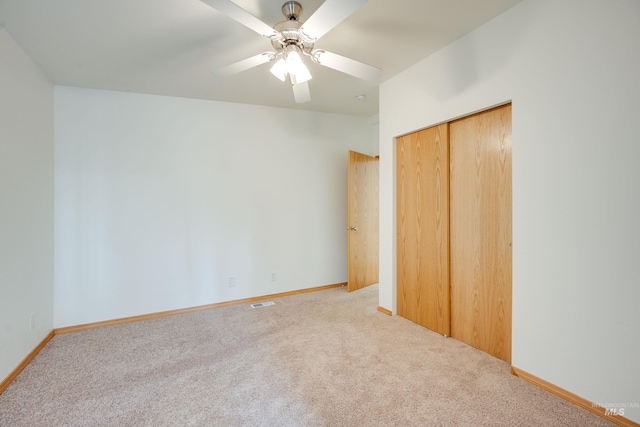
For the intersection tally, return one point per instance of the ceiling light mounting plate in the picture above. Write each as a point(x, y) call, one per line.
point(292, 10)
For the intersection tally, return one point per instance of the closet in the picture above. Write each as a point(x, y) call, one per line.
point(454, 229)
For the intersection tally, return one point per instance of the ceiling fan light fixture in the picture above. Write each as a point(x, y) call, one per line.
point(298, 72)
point(279, 69)
point(293, 38)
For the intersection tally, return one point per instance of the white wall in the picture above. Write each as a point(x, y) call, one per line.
point(158, 201)
point(26, 204)
point(571, 68)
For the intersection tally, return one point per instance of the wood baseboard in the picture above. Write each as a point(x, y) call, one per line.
point(573, 398)
point(121, 320)
point(14, 374)
point(385, 311)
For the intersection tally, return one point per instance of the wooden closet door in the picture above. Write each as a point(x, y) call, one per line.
point(481, 231)
point(423, 227)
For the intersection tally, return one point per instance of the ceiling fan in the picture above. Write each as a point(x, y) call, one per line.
point(292, 40)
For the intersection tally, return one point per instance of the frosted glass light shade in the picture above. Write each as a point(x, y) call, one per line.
point(298, 72)
point(301, 75)
point(279, 69)
point(293, 61)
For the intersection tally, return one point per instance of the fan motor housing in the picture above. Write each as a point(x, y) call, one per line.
point(290, 35)
point(290, 29)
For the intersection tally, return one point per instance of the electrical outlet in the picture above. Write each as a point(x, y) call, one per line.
point(274, 276)
point(32, 321)
point(232, 282)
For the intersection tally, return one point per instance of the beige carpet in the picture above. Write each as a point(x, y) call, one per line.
point(326, 358)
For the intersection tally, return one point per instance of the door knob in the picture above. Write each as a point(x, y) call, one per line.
point(354, 228)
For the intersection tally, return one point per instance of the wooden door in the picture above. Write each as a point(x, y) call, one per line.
point(362, 226)
point(422, 160)
point(480, 189)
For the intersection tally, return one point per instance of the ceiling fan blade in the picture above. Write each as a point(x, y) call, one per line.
point(328, 15)
point(240, 15)
point(301, 93)
point(245, 64)
point(346, 65)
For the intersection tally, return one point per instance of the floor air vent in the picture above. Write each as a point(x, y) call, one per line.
point(262, 304)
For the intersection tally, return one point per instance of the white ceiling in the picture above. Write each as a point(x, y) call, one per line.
point(170, 47)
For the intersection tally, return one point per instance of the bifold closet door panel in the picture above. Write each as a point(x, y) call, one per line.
point(423, 227)
point(480, 191)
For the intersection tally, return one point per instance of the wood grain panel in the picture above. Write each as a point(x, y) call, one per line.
point(423, 227)
point(480, 191)
point(363, 215)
